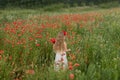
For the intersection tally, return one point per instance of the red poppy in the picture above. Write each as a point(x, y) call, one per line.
point(65, 33)
point(71, 76)
point(53, 40)
point(76, 64)
point(70, 67)
point(1, 52)
point(37, 44)
point(31, 71)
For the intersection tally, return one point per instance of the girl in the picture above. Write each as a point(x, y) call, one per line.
point(60, 48)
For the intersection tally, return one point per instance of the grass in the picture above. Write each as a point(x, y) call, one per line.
point(93, 37)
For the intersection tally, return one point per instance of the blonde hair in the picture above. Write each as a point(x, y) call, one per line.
point(60, 44)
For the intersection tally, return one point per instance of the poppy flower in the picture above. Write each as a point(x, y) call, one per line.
point(53, 40)
point(71, 76)
point(1, 52)
point(76, 64)
point(31, 71)
point(65, 33)
point(37, 44)
point(70, 67)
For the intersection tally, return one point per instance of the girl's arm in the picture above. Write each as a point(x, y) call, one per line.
point(66, 49)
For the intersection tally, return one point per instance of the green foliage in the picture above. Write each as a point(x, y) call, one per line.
point(43, 3)
point(54, 7)
point(109, 4)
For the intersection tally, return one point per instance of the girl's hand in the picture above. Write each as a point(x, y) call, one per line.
point(68, 49)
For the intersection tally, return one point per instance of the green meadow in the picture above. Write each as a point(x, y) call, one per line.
point(93, 35)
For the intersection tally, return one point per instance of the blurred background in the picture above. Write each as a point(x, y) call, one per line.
point(56, 4)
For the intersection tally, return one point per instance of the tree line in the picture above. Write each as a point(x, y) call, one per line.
point(42, 3)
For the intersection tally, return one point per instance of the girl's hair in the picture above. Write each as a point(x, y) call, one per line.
point(60, 44)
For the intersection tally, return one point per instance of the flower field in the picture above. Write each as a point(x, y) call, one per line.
point(94, 39)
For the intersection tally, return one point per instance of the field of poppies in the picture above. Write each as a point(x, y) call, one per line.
point(26, 45)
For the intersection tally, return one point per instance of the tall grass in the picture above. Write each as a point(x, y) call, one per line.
point(94, 39)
